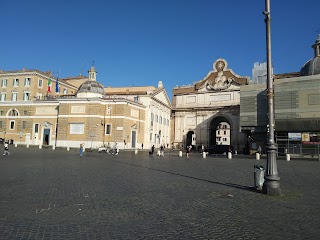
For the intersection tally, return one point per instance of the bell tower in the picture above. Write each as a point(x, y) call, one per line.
point(92, 74)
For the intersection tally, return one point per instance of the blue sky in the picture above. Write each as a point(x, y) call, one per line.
point(139, 42)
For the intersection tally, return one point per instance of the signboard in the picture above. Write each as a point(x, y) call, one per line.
point(305, 137)
point(294, 136)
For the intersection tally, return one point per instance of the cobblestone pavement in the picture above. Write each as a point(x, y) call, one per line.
point(48, 194)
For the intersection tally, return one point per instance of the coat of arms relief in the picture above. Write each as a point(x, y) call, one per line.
point(220, 82)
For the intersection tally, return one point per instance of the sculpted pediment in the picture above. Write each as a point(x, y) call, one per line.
point(221, 78)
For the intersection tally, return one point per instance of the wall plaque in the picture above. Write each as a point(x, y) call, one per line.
point(220, 97)
point(78, 109)
point(46, 111)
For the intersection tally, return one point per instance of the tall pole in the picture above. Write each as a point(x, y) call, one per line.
point(271, 185)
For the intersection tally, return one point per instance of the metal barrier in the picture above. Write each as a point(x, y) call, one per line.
point(298, 149)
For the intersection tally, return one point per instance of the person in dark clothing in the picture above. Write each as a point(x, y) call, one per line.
point(152, 150)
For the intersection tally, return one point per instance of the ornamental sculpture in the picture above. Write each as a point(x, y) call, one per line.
point(220, 82)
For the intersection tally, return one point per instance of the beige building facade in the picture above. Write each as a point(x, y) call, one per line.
point(88, 114)
point(207, 112)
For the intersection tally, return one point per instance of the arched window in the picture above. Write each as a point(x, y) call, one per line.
point(13, 112)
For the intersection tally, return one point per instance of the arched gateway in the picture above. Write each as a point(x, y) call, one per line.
point(208, 111)
point(220, 131)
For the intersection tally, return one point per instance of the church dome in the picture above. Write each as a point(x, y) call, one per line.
point(90, 89)
point(312, 67)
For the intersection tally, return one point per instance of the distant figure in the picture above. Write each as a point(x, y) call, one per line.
point(259, 150)
point(161, 150)
point(142, 145)
point(115, 149)
point(188, 150)
point(81, 150)
point(6, 149)
point(202, 148)
point(152, 150)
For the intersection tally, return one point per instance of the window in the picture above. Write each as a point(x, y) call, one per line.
point(24, 123)
point(26, 95)
point(4, 83)
point(136, 99)
point(152, 118)
point(15, 82)
point(27, 81)
point(160, 120)
point(156, 118)
point(25, 112)
point(13, 113)
point(36, 128)
point(11, 124)
point(40, 83)
point(0, 124)
point(1, 113)
point(3, 97)
point(108, 129)
point(150, 137)
point(14, 96)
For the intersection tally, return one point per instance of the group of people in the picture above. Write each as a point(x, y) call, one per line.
point(162, 147)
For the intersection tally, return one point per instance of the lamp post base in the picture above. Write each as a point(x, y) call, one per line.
point(272, 186)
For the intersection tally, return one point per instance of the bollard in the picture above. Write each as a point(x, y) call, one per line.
point(204, 154)
point(229, 155)
point(53, 147)
point(27, 145)
point(136, 152)
point(68, 148)
point(40, 146)
point(15, 145)
point(180, 153)
point(257, 156)
point(288, 157)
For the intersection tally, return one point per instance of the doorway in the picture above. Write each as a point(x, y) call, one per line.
point(133, 139)
point(46, 136)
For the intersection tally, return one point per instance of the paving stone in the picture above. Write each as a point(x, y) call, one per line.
point(48, 194)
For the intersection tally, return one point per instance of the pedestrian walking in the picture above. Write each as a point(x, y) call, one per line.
point(6, 149)
point(259, 150)
point(188, 150)
point(152, 150)
point(81, 150)
point(161, 150)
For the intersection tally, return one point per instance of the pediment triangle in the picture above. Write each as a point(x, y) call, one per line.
point(163, 97)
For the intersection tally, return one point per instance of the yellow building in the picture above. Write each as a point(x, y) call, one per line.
point(83, 115)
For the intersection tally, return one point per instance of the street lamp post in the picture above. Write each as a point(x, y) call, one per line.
point(271, 185)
